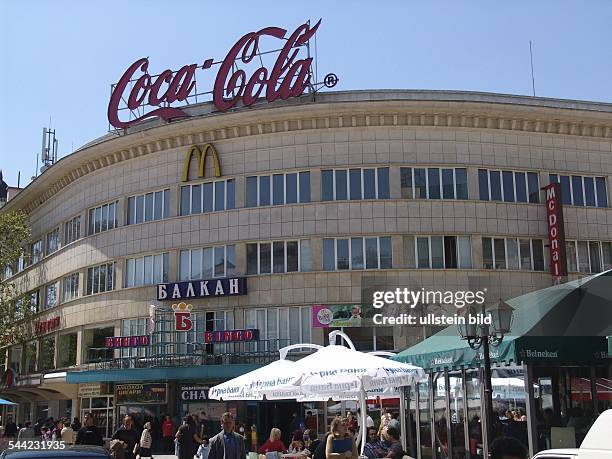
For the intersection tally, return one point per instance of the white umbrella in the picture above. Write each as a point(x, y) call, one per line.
point(336, 370)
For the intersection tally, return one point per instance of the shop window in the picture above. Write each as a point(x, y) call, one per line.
point(208, 197)
point(102, 218)
point(147, 270)
point(279, 257)
point(67, 350)
point(434, 183)
point(355, 184)
point(93, 344)
point(148, 207)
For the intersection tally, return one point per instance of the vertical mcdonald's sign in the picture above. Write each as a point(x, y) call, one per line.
point(201, 154)
point(556, 232)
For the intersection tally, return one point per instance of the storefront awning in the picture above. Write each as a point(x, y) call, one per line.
point(202, 372)
point(566, 324)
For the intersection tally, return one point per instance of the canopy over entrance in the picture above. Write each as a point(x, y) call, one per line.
point(542, 321)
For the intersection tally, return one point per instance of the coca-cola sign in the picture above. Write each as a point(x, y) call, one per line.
point(288, 77)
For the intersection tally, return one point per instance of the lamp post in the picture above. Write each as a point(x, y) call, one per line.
point(477, 335)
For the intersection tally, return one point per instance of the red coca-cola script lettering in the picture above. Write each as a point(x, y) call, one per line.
point(289, 77)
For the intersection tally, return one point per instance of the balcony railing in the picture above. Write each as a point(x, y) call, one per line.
point(187, 354)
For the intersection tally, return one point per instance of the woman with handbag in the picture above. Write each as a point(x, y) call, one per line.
point(145, 442)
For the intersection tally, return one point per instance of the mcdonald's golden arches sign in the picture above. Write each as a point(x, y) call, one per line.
point(201, 154)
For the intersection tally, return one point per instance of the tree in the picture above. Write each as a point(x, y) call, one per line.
point(16, 308)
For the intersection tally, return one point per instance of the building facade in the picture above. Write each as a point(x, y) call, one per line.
point(306, 203)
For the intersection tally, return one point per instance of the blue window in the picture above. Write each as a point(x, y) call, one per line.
point(589, 191)
point(420, 184)
point(483, 184)
point(602, 197)
point(433, 176)
point(521, 186)
point(508, 180)
point(341, 190)
point(461, 183)
point(495, 179)
point(327, 185)
point(383, 183)
point(251, 191)
point(305, 186)
point(448, 184)
point(533, 185)
point(264, 191)
point(577, 190)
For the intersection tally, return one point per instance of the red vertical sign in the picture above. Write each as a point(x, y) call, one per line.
point(556, 232)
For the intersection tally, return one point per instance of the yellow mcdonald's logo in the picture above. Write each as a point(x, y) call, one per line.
point(201, 155)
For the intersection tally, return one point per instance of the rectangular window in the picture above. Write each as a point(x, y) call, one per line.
point(508, 186)
point(204, 263)
point(285, 256)
point(329, 262)
point(450, 252)
point(382, 174)
point(53, 241)
point(566, 190)
point(72, 230)
point(102, 218)
point(369, 183)
point(342, 254)
point(600, 189)
point(513, 253)
point(357, 253)
point(584, 264)
point(355, 184)
point(448, 184)
point(67, 350)
point(327, 185)
point(589, 191)
point(579, 190)
point(150, 206)
point(483, 184)
point(207, 197)
point(606, 249)
point(440, 252)
point(420, 184)
point(148, 270)
point(461, 183)
point(70, 289)
point(35, 252)
point(433, 183)
point(533, 187)
point(406, 182)
point(437, 252)
point(537, 250)
point(595, 256)
point(577, 194)
point(423, 260)
point(251, 192)
point(464, 247)
point(291, 188)
point(495, 183)
point(341, 185)
point(100, 278)
point(487, 253)
point(525, 254)
point(51, 295)
point(278, 189)
point(521, 186)
point(371, 251)
point(499, 249)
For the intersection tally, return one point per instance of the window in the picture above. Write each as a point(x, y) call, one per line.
point(208, 197)
point(577, 190)
point(47, 353)
point(35, 300)
point(355, 184)
point(35, 252)
point(72, 230)
point(357, 253)
point(508, 186)
point(208, 262)
point(53, 241)
point(67, 350)
point(278, 189)
point(101, 278)
point(290, 325)
point(279, 257)
point(147, 270)
point(51, 295)
point(103, 218)
point(434, 183)
point(70, 288)
point(148, 207)
point(511, 253)
point(588, 256)
point(31, 356)
point(438, 252)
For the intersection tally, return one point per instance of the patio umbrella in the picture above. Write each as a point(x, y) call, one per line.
point(336, 370)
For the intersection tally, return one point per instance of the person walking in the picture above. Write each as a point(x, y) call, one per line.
point(128, 435)
point(89, 434)
point(227, 444)
point(26, 432)
point(187, 439)
point(168, 434)
point(11, 429)
point(146, 441)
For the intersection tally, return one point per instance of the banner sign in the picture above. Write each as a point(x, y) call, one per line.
point(226, 336)
point(337, 315)
point(193, 393)
point(556, 232)
point(116, 342)
point(44, 326)
point(288, 77)
point(228, 286)
point(140, 394)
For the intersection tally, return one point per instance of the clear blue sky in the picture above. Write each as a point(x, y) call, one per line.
point(58, 58)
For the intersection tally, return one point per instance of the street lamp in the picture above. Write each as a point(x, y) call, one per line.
point(479, 334)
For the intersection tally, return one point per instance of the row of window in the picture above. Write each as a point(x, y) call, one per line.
point(513, 253)
point(208, 262)
point(357, 253)
point(336, 184)
point(279, 257)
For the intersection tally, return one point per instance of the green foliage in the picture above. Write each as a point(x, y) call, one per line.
point(16, 310)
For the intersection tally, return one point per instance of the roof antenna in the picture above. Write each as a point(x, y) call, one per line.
point(532, 77)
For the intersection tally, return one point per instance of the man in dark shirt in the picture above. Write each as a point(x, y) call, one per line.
point(395, 450)
point(89, 434)
point(128, 435)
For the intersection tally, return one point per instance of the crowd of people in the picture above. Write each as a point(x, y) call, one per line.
point(50, 430)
